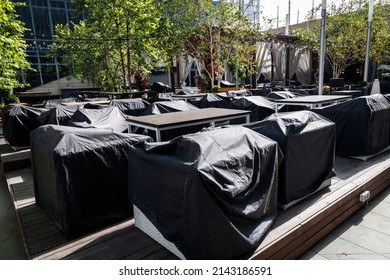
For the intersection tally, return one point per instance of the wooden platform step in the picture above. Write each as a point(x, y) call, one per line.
point(15, 160)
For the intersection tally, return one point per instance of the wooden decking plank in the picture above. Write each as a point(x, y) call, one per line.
point(130, 242)
point(270, 244)
point(332, 210)
point(145, 252)
point(74, 245)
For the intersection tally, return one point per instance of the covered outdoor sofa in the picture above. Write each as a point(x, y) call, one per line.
point(362, 125)
point(208, 195)
point(307, 141)
point(80, 176)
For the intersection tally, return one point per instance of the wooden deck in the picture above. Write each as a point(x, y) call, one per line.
point(295, 230)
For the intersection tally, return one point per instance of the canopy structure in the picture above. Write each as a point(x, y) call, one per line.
point(18, 122)
point(307, 141)
point(362, 125)
point(215, 195)
point(80, 176)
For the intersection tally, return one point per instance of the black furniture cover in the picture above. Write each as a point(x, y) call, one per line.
point(161, 107)
point(259, 106)
point(52, 103)
point(110, 118)
point(132, 107)
point(18, 122)
point(58, 115)
point(277, 95)
point(362, 125)
point(307, 141)
point(212, 100)
point(213, 193)
point(160, 87)
point(80, 176)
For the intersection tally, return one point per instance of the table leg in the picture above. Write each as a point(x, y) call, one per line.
point(158, 135)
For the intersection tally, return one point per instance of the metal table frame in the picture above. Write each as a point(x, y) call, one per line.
point(312, 100)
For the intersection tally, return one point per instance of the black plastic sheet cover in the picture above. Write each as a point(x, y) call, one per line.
point(259, 106)
point(225, 83)
point(161, 107)
point(110, 118)
point(307, 141)
point(277, 95)
point(58, 115)
point(18, 122)
point(52, 103)
point(211, 100)
point(80, 176)
point(213, 193)
point(131, 107)
point(362, 125)
point(160, 87)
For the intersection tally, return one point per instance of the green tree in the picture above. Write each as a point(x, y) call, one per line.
point(221, 36)
point(346, 32)
point(117, 38)
point(12, 51)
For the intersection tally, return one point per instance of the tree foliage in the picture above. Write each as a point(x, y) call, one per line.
point(222, 36)
point(12, 49)
point(116, 39)
point(346, 35)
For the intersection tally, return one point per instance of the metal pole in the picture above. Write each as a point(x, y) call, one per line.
point(366, 64)
point(322, 48)
point(287, 32)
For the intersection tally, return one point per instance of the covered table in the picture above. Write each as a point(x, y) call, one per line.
point(18, 122)
point(209, 195)
point(307, 141)
point(80, 176)
point(362, 125)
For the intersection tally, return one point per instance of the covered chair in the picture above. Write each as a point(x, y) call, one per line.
point(52, 103)
point(131, 107)
point(18, 122)
point(211, 100)
point(162, 107)
point(362, 125)
point(259, 106)
point(110, 118)
point(80, 176)
point(307, 141)
point(58, 115)
point(209, 195)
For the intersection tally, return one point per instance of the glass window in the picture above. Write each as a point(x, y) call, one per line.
point(42, 23)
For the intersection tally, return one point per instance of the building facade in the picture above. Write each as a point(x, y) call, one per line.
point(40, 17)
